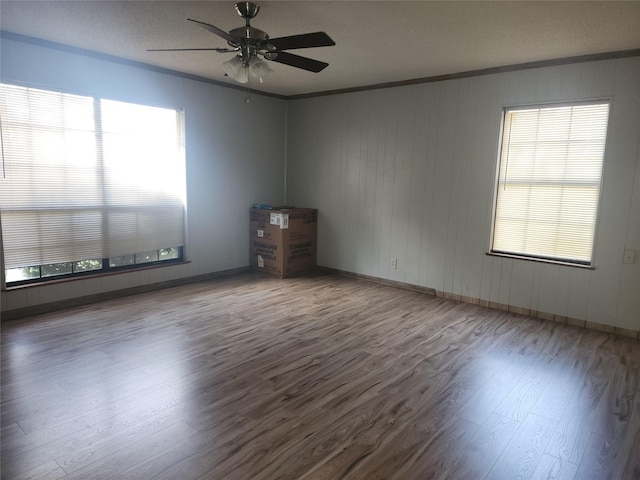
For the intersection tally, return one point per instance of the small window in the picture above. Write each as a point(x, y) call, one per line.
point(22, 274)
point(87, 265)
point(147, 257)
point(549, 178)
point(169, 253)
point(122, 260)
point(55, 269)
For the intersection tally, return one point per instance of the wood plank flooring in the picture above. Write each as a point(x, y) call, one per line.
point(323, 377)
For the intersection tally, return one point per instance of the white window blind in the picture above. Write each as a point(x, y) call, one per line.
point(86, 178)
point(143, 177)
point(550, 172)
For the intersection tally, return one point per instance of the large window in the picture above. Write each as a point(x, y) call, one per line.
point(549, 176)
point(88, 184)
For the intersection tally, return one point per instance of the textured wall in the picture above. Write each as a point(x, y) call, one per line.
point(409, 173)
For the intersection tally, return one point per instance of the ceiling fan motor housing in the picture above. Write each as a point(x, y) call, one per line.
point(249, 35)
point(251, 41)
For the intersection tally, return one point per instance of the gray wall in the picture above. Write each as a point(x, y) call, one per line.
point(409, 173)
point(227, 168)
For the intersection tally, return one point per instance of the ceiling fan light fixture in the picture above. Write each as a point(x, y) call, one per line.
point(259, 69)
point(235, 69)
point(242, 76)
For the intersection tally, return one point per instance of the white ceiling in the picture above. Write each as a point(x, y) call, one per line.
point(376, 41)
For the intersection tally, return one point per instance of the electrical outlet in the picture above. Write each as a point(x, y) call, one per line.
point(393, 263)
point(629, 256)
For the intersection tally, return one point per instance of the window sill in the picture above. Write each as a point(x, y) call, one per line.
point(541, 260)
point(56, 281)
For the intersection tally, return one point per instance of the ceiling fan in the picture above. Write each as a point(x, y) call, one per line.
point(252, 43)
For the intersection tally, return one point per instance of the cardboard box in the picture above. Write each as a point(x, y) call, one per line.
point(283, 240)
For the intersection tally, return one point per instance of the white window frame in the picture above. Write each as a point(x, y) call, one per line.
point(501, 181)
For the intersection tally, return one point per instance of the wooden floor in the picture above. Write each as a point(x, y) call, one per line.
point(313, 378)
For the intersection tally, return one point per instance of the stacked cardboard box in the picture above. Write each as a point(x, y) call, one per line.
point(283, 240)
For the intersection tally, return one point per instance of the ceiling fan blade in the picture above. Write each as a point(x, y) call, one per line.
point(300, 62)
point(305, 40)
point(214, 29)
point(221, 50)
